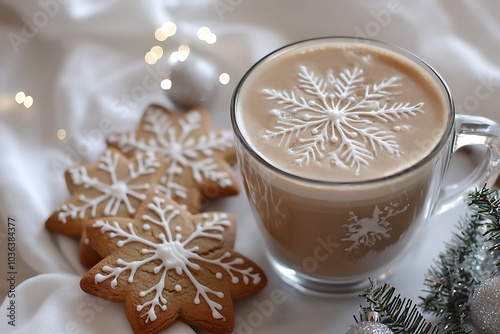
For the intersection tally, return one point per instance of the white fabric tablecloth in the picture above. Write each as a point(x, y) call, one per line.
point(83, 64)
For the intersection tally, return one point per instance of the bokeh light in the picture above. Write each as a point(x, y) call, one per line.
point(22, 98)
point(224, 78)
point(166, 84)
point(61, 134)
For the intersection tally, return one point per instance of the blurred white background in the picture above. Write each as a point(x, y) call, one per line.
point(81, 68)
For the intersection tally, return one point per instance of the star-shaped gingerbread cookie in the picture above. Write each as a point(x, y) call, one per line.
point(200, 157)
point(115, 186)
point(167, 264)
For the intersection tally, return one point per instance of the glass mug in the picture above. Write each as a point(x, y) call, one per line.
point(329, 237)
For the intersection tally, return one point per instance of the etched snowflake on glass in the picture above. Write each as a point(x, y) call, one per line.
point(339, 109)
point(368, 230)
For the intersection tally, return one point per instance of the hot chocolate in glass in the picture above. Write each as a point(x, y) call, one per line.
point(342, 145)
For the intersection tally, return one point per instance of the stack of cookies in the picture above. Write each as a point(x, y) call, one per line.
point(138, 214)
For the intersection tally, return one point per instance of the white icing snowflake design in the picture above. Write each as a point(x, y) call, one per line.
point(116, 192)
point(366, 231)
point(165, 248)
point(341, 110)
point(184, 148)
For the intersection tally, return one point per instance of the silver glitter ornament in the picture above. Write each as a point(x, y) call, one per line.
point(194, 80)
point(485, 307)
point(369, 327)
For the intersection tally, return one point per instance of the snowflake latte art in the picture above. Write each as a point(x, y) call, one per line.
point(341, 112)
point(341, 144)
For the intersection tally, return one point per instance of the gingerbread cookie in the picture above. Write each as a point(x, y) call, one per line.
point(199, 157)
point(115, 186)
point(167, 264)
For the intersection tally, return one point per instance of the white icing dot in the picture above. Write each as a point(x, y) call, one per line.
point(178, 228)
point(334, 139)
point(218, 275)
point(197, 300)
point(146, 227)
point(235, 280)
point(178, 287)
point(397, 128)
point(307, 117)
point(314, 131)
point(118, 189)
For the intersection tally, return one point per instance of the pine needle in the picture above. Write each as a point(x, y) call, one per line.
point(399, 314)
point(469, 259)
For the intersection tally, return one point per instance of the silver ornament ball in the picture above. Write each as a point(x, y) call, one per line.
point(194, 80)
point(485, 307)
point(369, 327)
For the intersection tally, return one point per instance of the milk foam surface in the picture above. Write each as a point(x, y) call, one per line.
point(341, 112)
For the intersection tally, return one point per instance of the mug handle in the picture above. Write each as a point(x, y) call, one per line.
point(472, 130)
